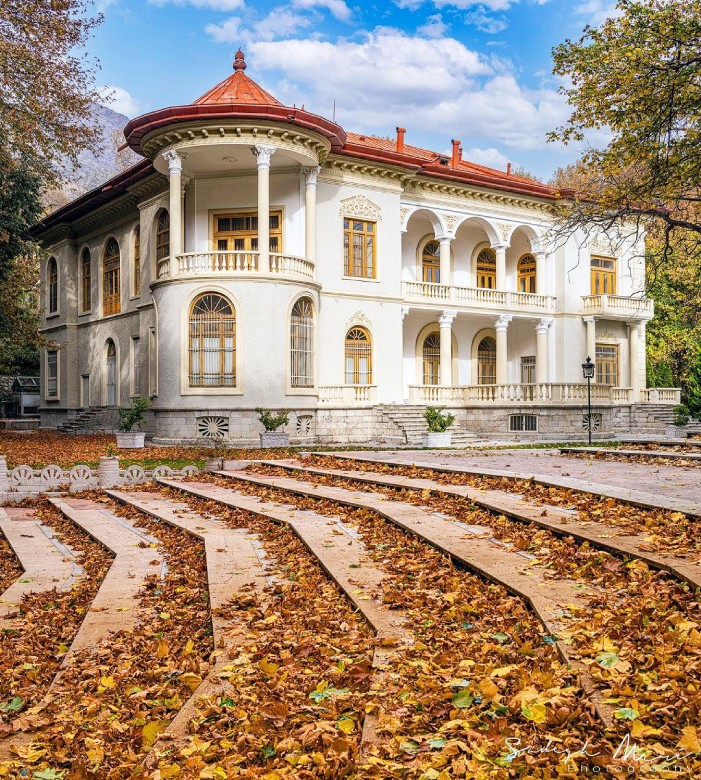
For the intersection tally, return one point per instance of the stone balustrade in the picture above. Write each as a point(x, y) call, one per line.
point(619, 307)
point(193, 264)
point(661, 395)
point(477, 297)
point(347, 395)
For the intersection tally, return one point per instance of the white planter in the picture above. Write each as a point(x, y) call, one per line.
point(437, 439)
point(130, 440)
point(270, 439)
point(212, 464)
point(235, 465)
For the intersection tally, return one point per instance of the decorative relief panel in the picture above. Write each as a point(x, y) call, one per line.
point(358, 319)
point(361, 207)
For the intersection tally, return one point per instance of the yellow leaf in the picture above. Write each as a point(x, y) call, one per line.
point(63, 648)
point(106, 683)
point(346, 725)
point(151, 730)
point(504, 671)
point(189, 647)
point(488, 688)
point(192, 680)
point(690, 740)
point(162, 650)
point(536, 712)
point(169, 771)
point(94, 751)
point(268, 667)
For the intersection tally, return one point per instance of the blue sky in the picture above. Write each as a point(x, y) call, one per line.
point(477, 71)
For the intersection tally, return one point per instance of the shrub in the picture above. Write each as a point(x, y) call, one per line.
point(271, 421)
point(681, 415)
point(437, 421)
point(133, 415)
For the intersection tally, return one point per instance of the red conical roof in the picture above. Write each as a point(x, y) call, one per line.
point(238, 88)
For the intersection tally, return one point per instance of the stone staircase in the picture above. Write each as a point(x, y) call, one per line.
point(88, 421)
point(411, 423)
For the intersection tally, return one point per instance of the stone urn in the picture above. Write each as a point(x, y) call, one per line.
point(130, 440)
point(271, 439)
point(434, 439)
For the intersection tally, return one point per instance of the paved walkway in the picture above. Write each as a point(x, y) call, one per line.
point(671, 485)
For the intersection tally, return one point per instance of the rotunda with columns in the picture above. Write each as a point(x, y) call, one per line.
point(261, 255)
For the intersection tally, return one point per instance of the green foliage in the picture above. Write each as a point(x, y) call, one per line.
point(19, 317)
point(20, 208)
point(134, 414)
point(681, 415)
point(272, 421)
point(636, 78)
point(693, 388)
point(436, 421)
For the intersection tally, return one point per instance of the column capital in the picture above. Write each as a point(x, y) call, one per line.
point(445, 239)
point(634, 324)
point(539, 254)
point(589, 320)
point(502, 323)
point(174, 160)
point(403, 312)
point(263, 153)
point(446, 318)
point(500, 247)
point(310, 175)
point(184, 181)
point(543, 324)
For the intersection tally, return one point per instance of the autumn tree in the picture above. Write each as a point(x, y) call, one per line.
point(46, 83)
point(635, 81)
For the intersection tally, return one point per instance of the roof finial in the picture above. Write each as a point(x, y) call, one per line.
point(239, 62)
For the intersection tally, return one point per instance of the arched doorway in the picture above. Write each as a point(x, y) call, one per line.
point(526, 274)
point(487, 269)
point(111, 373)
point(487, 361)
point(431, 262)
point(358, 355)
point(431, 352)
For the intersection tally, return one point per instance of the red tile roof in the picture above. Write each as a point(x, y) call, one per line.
point(238, 88)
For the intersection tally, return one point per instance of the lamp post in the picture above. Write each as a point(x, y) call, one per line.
point(588, 371)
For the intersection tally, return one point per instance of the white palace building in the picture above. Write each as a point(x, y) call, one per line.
point(262, 256)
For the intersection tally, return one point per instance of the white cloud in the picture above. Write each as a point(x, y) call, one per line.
point(337, 7)
point(392, 78)
point(280, 22)
point(491, 157)
point(215, 5)
point(491, 5)
point(595, 12)
point(486, 23)
point(119, 100)
point(434, 27)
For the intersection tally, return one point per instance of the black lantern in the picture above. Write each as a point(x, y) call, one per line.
point(588, 371)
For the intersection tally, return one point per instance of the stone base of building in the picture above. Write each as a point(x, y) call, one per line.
point(387, 425)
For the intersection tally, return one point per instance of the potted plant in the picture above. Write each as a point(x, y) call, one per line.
point(271, 422)
point(131, 417)
point(438, 423)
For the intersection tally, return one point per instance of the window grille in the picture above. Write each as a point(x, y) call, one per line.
point(162, 242)
point(523, 422)
point(52, 374)
point(358, 357)
point(302, 344)
point(111, 303)
point(431, 263)
point(111, 373)
point(53, 285)
point(212, 342)
point(526, 274)
point(85, 280)
point(137, 261)
point(528, 370)
point(487, 269)
point(607, 364)
point(487, 362)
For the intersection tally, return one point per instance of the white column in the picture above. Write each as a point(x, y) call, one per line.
point(634, 359)
point(184, 181)
point(590, 322)
point(175, 170)
point(541, 285)
point(263, 155)
point(501, 326)
point(446, 276)
point(310, 176)
point(541, 350)
point(446, 335)
point(500, 252)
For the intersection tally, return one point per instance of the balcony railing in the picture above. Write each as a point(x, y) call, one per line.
point(232, 263)
point(618, 306)
point(549, 393)
point(661, 395)
point(477, 297)
point(347, 395)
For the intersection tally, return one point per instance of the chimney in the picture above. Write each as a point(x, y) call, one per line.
point(508, 169)
point(400, 139)
point(455, 160)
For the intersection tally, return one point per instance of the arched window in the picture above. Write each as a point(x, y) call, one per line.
point(358, 357)
point(162, 243)
point(487, 269)
point(302, 344)
point(526, 274)
point(111, 296)
point(431, 358)
point(85, 280)
point(212, 342)
point(431, 262)
point(136, 275)
point(111, 373)
point(52, 278)
point(487, 362)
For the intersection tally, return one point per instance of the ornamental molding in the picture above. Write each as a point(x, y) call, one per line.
point(505, 229)
point(601, 245)
point(359, 318)
point(360, 206)
point(263, 154)
point(311, 175)
point(502, 323)
point(605, 335)
point(447, 318)
point(404, 211)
